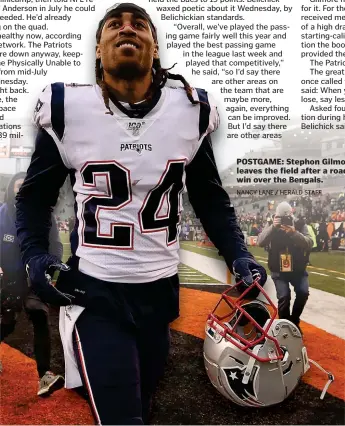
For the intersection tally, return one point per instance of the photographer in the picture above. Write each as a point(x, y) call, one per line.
point(289, 245)
point(15, 293)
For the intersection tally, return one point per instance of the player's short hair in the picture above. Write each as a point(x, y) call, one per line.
point(160, 75)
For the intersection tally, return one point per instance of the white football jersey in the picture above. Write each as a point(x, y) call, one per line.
point(128, 176)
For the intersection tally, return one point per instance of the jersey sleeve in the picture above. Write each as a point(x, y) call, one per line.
point(49, 115)
point(38, 195)
point(45, 176)
point(42, 113)
point(208, 117)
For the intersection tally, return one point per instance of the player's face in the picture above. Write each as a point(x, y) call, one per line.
point(127, 47)
point(17, 184)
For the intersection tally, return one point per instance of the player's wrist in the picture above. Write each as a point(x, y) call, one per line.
point(33, 254)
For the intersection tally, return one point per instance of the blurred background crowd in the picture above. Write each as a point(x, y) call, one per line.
point(324, 214)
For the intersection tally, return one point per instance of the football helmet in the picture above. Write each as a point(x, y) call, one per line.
point(251, 357)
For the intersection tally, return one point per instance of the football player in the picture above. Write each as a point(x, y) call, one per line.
point(130, 145)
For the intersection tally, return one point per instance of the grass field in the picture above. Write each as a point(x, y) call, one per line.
point(326, 272)
point(66, 246)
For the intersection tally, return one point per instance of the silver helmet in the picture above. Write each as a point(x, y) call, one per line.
point(251, 357)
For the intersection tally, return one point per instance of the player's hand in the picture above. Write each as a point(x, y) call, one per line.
point(247, 270)
point(288, 229)
point(40, 269)
point(277, 222)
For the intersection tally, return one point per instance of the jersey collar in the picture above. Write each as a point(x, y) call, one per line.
point(138, 110)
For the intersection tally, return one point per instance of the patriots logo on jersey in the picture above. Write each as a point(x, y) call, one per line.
point(37, 109)
point(138, 147)
point(38, 106)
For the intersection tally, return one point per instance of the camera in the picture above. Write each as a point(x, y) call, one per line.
point(286, 220)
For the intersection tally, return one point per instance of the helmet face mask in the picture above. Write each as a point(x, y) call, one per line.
point(251, 357)
point(246, 328)
point(242, 322)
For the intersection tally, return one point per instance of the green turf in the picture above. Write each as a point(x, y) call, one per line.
point(334, 261)
point(186, 278)
point(66, 247)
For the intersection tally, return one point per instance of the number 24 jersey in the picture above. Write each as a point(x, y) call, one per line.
point(128, 175)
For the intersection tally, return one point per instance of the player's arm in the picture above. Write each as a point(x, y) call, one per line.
point(35, 201)
point(38, 195)
point(212, 205)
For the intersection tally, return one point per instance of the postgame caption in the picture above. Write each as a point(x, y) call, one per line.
point(290, 170)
